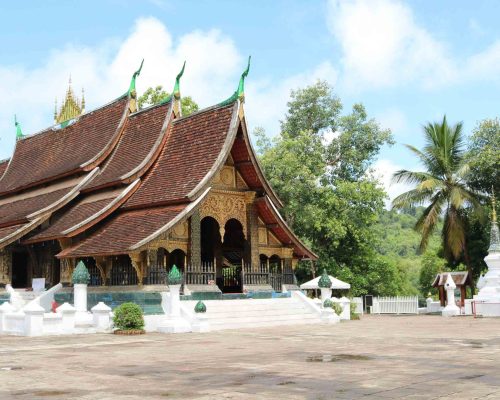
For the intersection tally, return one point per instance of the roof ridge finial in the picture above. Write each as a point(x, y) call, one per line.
point(134, 77)
point(177, 91)
point(241, 84)
point(19, 132)
point(240, 91)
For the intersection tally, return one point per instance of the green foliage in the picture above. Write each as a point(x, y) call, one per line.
point(323, 178)
point(442, 186)
point(337, 308)
point(155, 95)
point(432, 264)
point(80, 274)
point(352, 309)
point(128, 316)
point(484, 156)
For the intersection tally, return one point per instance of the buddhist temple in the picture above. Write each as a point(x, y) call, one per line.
point(132, 192)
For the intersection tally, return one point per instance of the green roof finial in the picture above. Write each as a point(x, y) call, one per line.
point(241, 85)
point(177, 90)
point(19, 132)
point(240, 92)
point(134, 77)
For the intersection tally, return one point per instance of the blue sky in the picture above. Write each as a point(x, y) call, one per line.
point(408, 62)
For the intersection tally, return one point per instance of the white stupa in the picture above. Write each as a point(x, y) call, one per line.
point(488, 299)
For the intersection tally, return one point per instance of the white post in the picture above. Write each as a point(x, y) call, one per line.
point(451, 308)
point(80, 297)
point(5, 308)
point(346, 308)
point(326, 293)
point(175, 300)
point(33, 320)
point(101, 316)
point(68, 317)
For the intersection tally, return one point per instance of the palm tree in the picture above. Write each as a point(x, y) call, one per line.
point(442, 188)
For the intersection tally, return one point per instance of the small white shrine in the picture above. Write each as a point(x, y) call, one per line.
point(487, 301)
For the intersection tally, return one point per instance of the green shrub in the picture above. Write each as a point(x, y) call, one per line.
point(337, 308)
point(128, 316)
point(352, 307)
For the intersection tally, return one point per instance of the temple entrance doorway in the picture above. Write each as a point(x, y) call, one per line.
point(233, 248)
point(20, 270)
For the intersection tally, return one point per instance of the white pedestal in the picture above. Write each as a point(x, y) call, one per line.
point(326, 293)
point(346, 308)
point(68, 317)
point(101, 315)
point(200, 324)
point(33, 320)
point(329, 316)
point(80, 297)
point(451, 308)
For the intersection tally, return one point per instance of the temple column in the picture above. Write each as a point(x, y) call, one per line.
point(137, 263)
point(195, 239)
point(67, 264)
point(5, 267)
point(252, 233)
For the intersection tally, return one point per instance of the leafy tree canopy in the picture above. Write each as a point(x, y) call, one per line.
point(319, 166)
point(155, 95)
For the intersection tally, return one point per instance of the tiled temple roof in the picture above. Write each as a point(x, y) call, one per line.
point(3, 166)
point(190, 153)
point(17, 211)
point(117, 235)
point(55, 153)
point(142, 138)
point(83, 214)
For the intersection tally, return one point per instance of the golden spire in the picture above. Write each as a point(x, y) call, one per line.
point(72, 107)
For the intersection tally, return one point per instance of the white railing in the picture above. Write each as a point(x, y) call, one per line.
point(395, 305)
point(46, 298)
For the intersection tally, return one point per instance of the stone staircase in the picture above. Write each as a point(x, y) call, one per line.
point(253, 313)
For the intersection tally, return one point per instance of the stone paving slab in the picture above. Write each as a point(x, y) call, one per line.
point(379, 357)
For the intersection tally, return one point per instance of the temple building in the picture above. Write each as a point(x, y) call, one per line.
point(132, 192)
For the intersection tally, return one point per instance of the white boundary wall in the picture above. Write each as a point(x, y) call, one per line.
point(395, 305)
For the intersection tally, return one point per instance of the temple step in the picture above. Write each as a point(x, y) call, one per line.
point(235, 314)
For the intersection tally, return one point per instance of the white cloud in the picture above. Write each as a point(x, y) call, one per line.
point(213, 64)
point(266, 99)
point(395, 120)
point(384, 46)
point(383, 170)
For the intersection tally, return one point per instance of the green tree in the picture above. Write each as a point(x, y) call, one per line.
point(155, 95)
point(319, 166)
point(432, 264)
point(443, 186)
point(484, 156)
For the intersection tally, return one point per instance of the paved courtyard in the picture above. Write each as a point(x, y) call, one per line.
point(379, 357)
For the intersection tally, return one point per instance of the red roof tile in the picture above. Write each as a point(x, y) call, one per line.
point(9, 229)
point(69, 218)
point(123, 231)
point(189, 153)
point(54, 153)
point(3, 166)
point(138, 140)
point(17, 211)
